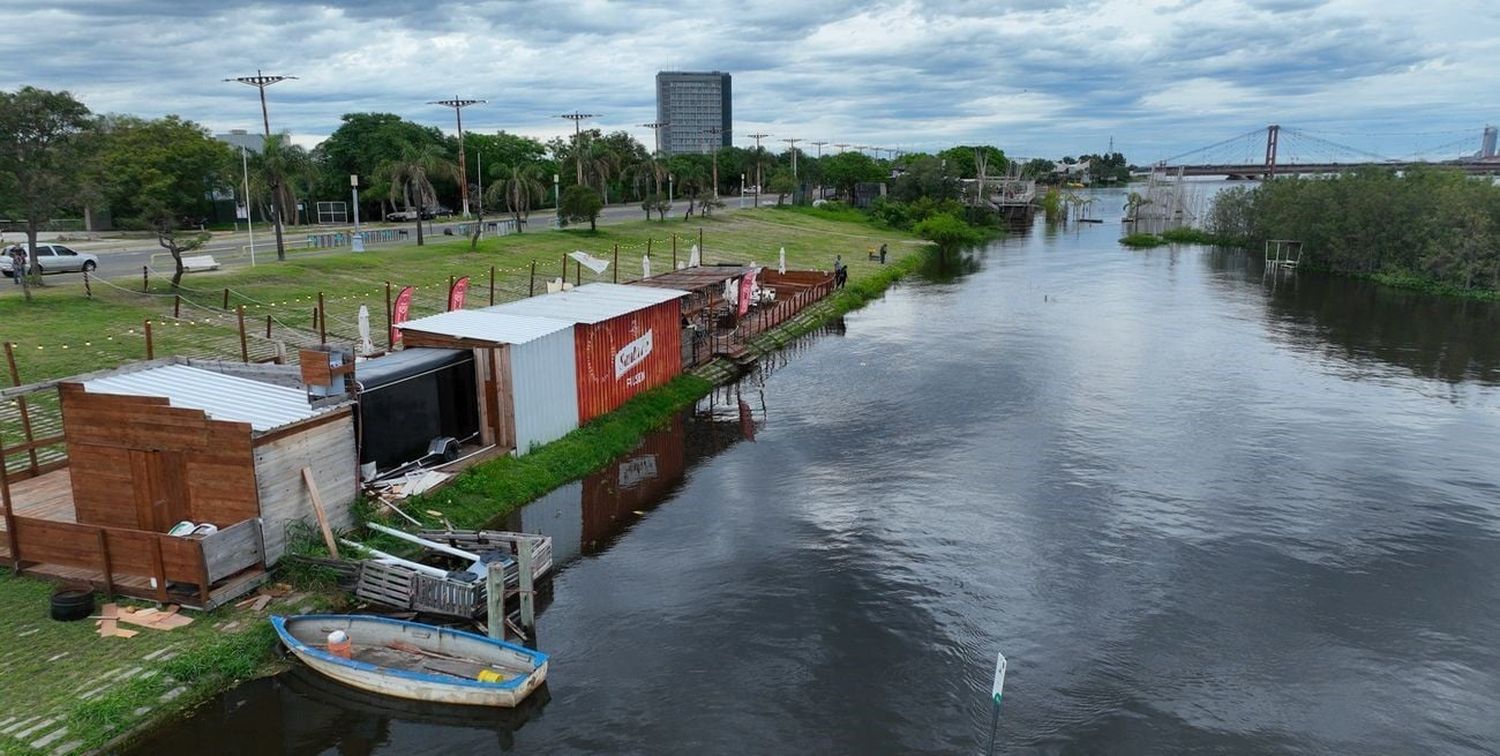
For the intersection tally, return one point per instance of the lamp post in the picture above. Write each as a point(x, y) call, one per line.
point(656, 127)
point(793, 148)
point(714, 156)
point(354, 186)
point(742, 191)
point(557, 197)
point(578, 119)
point(458, 106)
point(759, 185)
point(670, 179)
point(249, 222)
point(260, 81)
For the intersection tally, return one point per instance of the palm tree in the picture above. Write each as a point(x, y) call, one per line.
point(1133, 204)
point(411, 174)
point(646, 175)
point(276, 164)
point(520, 188)
point(599, 165)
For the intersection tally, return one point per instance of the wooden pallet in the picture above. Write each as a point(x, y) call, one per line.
point(486, 540)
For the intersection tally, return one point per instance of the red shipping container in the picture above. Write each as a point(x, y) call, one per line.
point(625, 355)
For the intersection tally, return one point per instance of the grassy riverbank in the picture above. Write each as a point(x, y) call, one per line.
point(93, 690)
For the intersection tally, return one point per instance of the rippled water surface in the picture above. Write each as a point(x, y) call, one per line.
point(1200, 509)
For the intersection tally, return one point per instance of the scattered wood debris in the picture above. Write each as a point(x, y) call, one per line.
point(112, 615)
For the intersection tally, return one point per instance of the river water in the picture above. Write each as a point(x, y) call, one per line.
point(1200, 509)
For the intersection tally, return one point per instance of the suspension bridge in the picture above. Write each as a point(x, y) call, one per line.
point(1283, 150)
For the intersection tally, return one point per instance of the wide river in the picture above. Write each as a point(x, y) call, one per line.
point(1199, 508)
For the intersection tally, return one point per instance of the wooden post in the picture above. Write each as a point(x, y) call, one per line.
point(226, 299)
point(565, 266)
point(150, 348)
point(268, 326)
point(390, 336)
point(10, 521)
point(176, 306)
point(320, 513)
point(314, 325)
point(674, 250)
point(494, 599)
point(88, 290)
point(145, 277)
point(492, 286)
point(15, 380)
point(322, 320)
point(528, 599)
point(617, 263)
point(244, 345)
point(648, 252)
point(448, 307)
point(700, 243)
point(578, 273)
point(531, 284)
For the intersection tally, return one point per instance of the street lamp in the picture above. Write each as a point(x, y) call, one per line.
point(656, 127)
point(714, 156)
point(557, 196)
point(793, 148)
point(759, 185)
point(260, 81)
point(354, 185)
point(578, 119)
point(458, 106)
point(249, 223)
point(742, 191)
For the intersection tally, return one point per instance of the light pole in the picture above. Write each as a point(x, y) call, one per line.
point(759, 187)
point(458, 106)
point(354, 185)
point(793, 148)
point(260, 81)
point(842, 147)
point(656, 127)
point(557, 196)
point(819, 185)
point(670, 179)
point(714, 156)
point(578, 119)
point(249, 212)
point(742, 191)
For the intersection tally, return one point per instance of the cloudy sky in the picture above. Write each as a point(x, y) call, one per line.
point(1037, 78)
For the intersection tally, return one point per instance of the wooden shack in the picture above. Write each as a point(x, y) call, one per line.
point(156, 445)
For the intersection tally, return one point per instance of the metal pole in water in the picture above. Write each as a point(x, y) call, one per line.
point(995, 692)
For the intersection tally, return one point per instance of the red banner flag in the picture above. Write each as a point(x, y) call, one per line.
point(457, 293)
point(747, 285)
point(399, 312)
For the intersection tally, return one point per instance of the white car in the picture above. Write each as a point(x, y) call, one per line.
point(52, 258)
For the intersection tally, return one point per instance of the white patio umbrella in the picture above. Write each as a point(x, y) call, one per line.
point(645, 266)
point(365, 346)
point(693, 260)
point(781, 268)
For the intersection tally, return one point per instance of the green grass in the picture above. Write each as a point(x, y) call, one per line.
point(1180, 235)
point(48, 668)
point(62, 332)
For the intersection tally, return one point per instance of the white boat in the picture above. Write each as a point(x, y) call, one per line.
point(415, 661)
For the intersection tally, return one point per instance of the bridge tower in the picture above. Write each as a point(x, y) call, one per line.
point(1272, 132)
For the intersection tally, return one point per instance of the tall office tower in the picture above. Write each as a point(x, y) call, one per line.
point(696, 106)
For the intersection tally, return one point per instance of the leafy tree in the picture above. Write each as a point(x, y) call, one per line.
point(1038, 169)
point(948, 232)
point(581, 203)
point(963, 160)
point(41, 138)
point(926, 177)
point(161, 174)
point(781, 184)
point(656, 203)
point(847, 169)
point(410, 175)
point(365, 142)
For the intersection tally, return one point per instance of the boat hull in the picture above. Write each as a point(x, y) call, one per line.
point(298, 633)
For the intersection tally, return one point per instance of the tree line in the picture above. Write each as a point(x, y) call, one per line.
point(1422, 226)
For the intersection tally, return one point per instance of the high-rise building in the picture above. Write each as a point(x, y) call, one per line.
point(693, 104)
point(238, 138)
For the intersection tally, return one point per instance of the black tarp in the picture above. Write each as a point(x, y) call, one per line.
point(411, 397)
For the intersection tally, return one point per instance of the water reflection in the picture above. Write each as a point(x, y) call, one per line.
point(1435, 337)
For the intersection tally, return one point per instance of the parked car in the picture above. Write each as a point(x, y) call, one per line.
point(407, 216)
point(53, 258)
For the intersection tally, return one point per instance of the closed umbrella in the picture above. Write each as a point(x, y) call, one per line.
point(693, 260)
point(645, 266)
point(365, 346)
point(781, 268)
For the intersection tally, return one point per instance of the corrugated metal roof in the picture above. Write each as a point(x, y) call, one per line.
point(406, 363)
point(221, 397)
point(590, 303)
point(487, 325)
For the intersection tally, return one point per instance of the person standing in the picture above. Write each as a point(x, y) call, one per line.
point(17, 263)
point(838, 272)
point(882, 253)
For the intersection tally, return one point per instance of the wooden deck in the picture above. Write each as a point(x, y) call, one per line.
point(48, 496)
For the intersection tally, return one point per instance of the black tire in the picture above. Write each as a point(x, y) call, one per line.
point(72, 604)
point(89, 266)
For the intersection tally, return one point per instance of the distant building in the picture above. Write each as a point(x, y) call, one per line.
point(692, 104)
point(240, 138)
point(1487, 144)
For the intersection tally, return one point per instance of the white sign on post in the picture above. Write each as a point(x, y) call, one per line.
point(999, 686)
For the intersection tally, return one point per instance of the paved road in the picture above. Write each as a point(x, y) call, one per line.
point(124, 257)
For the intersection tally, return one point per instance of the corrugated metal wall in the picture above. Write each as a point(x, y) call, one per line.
point(624, 356)
point(545, 389)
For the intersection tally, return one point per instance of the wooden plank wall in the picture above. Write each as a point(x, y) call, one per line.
point(325, 446)
point(202, 468)
point(131, 552)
